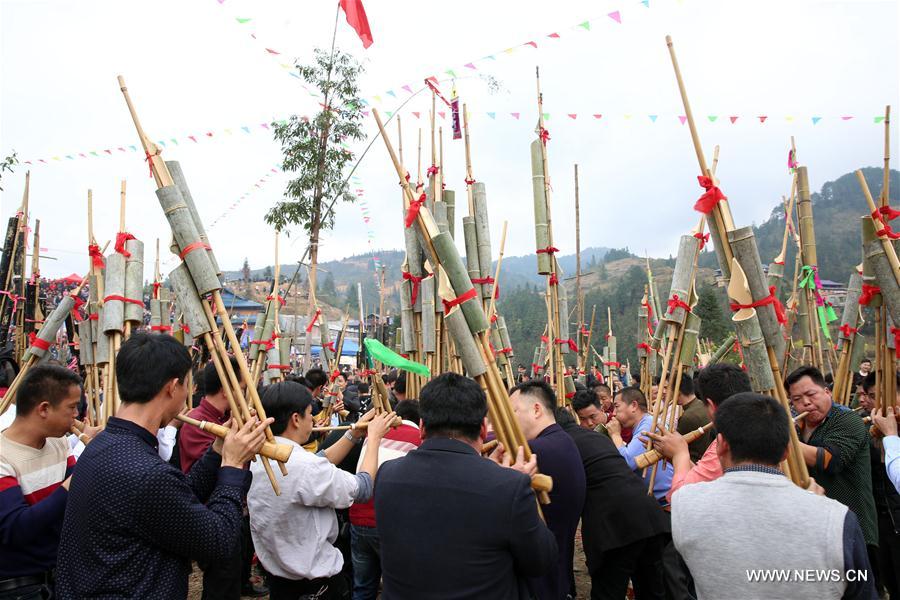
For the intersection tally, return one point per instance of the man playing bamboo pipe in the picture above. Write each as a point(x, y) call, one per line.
point(35, 471)
point(631, 411)
point(294, 533)
point(134, 522)
point(887, 499)
point(725, 550)
point(694, 416)
point(534, 404)
point(835, 447)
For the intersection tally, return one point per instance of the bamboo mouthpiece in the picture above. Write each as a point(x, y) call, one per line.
point(274, 450)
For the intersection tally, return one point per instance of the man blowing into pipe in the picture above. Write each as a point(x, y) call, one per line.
point(134, 522)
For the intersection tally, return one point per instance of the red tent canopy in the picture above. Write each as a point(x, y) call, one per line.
point(73, 278)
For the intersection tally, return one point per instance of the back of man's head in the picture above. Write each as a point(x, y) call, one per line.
point(146, 363)
point(211, 384)
point(400, 385)
point(408, 410)
point(281, 400)
point(44, 383)
point(315, 378)
point(756, 428)
point(451, 406)
point(686, 387)
point(602, 390)
point(539, 391)
point(718, 382)
point(563, 417)
point(582, 400)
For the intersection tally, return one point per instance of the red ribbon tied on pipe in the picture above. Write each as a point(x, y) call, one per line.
point(312, 321)
point(545, 136)
point(121, 238)
point(675, 303)
point(38, 342)
point(868, 292)
point(547, 250)
point(704, 239)
point(846, 330)
point(330, 346)
point(710, 198)
point(554, 280)
point(887, 213)
point(896, 333)
point(415, 284)
point(96, 256)
point(432, 170)
point(413, 210)
point(572, 345)
point(644, 346)
point(770, 299)
point(278, 297)
point(448, 304)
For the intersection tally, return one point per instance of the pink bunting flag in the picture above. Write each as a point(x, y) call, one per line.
point(442, 114)
point(846, 118)
point(469, 65)
point(192, 138)
point(554, 36)
point(573, 115)
point(682, 118)
point(515, 115)
point(597, 115)
point(416, 114)
point(408, 89)
point(532, 44)
point(270, 51)
point(615, 16)
point(733, 119)
point(762, 118)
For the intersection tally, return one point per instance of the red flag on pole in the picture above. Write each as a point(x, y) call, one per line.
point(356, 18)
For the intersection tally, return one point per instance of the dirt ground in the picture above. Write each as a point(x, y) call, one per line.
point(582, 581)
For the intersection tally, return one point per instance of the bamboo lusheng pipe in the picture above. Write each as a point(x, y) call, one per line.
point(504, 422)
point(364, 425)
point(846, 334)
point(274, 450)
point(198, 264)
point(723, 349)
point(889, 249)
point(716, 219)
point(584, 349)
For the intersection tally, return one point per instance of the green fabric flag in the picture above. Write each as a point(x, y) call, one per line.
point(807, 277)
point(586, 25)
point(385, 355)
point(242, 21)
point(823, 321)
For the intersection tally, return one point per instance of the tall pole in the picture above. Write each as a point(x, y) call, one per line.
point(578, 295)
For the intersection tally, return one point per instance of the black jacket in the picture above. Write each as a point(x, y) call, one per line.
point(617, 509)
point(455, 525)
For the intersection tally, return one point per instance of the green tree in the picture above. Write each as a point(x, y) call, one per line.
point(7, 164)
point(714, 325)
point(268, 275)
point(329, 291)
point(315, 151)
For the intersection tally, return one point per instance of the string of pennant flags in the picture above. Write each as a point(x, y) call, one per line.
point(217, 134)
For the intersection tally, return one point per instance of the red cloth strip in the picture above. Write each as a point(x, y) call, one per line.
point(160, 328)
point(448, 304)
point(156, 286)
point(708, 201)
point(76, 310)
point(34, 320)
point(121, 238)
point(330, 346)
point(868, 292)
point(585, 332)
point(554, 280)
point(191, 247)
point(545, 136)
point(493, 318)
point(887, 213)
point(675, 303)
point(413, 210)
point(896, 333)
point(572, 345)
point(277, 297)
point(644, 346)
point(312, 321)
point(847, 330)
point(570, 395)
point(93, 316)
point(535, 368)
point(149, 158)
point(124, 299)
point(483, 280)
point(469, 181)
point(545, 339)
point(96, 256)
point(282, 367)
point(703, 237)
point(770, 299)
point(547, 250)
point(886, 231)
point(39, 343)
point(185, 328)
point(334, 375)
point(415, 284)
point(432, 170)
point(613, 364)
point(506, 350)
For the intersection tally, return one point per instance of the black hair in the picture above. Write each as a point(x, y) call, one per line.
point(718, 382)
point(146, 363)
point(686, 387)
point(44, 383)
point(582, 400)
point(563, 416)
point(538, 389)
point(869, 382)
point(755, 426)
point(796, 375)
point(656, 380)
point(362, 388)
point(408, 410)
point(579, 386)
point(212, 385)
point(390, 376)
point(602, 387)
point(400, 385)
point(867, 360)
point(281, 400)
point(315, 377)
point(452, 405)
point(633, 394)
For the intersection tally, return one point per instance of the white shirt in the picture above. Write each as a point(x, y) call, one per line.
point(892, 459)
point(294, 533)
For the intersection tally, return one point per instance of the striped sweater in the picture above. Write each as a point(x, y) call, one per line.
point(32, 504)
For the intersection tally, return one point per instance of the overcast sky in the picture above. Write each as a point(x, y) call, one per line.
point(193, 69)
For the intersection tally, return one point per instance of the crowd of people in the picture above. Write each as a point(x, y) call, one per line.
point(411, 503)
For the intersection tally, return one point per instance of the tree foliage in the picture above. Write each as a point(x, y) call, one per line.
point(714, 325)
point(7, 164)
point(314, 149)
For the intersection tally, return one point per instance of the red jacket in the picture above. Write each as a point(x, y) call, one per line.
point(193, 441)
